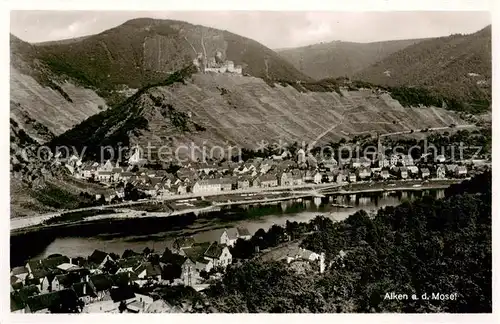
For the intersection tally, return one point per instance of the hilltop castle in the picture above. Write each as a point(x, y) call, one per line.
point(216, 64)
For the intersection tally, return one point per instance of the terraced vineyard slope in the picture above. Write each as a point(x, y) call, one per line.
point(221, 109)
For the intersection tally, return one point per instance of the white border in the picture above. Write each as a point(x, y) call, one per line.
point(295, 5)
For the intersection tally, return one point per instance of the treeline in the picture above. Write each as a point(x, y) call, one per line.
point(432, 246)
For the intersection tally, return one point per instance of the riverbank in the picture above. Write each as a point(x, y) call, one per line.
point(225, 200)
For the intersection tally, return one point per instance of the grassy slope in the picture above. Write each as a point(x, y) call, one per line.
point(440, 65)
point(335, 59)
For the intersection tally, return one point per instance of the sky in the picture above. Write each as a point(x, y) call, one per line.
point(275, 29)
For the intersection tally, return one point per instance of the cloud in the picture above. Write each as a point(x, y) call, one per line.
point(275, 29)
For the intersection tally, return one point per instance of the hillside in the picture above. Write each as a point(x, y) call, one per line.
point(61, 83)
point(219, 108)
point(338, 59)
point(458, 66)
point(143, 51)
point(42, 103)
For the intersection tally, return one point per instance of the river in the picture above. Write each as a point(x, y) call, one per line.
point(157, 233)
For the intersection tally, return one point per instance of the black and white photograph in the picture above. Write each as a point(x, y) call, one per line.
point(250, 161)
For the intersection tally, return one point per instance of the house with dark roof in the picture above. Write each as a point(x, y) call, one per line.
point(99, 258)
point(19, 298)
point(62, 300)
point(148, 271)
point(219, 254)
point(183, 242)
point(101, 285)
point(186, 263)
point(129, 264)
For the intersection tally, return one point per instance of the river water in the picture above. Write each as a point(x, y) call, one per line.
point(158, 233)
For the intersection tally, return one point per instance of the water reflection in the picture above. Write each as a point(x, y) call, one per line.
point(207, 226)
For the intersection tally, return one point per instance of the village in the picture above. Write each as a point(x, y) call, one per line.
point(277, 171)
point(107, 283)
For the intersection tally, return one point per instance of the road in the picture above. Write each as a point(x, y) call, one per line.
point(22, 222)
point(429, 129)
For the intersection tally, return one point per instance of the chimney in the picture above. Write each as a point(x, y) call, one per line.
point(86, 278)
point(70, 260)
point(84, 289)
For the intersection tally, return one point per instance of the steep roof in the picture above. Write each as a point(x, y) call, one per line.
point(48, 300)
point(19, 298)
point(197, 251)
point(101, 282)
point(97, 256)
point(152, 270)
point(78, 289)
point(171, 258)
point(232, 233)
point(19, 270)
point(214, 251)
point(121, 293)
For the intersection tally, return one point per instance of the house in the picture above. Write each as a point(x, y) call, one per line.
point(425, 173)
point(407, 160)
point(181, 189)
point(440, 158)
point(383, 162)
point(20, 272)
point(413, 170)
point(219, 254)
point(384, 174)
point(185, 262)
point(104, 176)
point(243, 183)
point(363, 173)
point(441, 172)
point(403, 172)
point(100, 258)
point(101, 285)
point(394, 160)
point(352, 177)
point(183, 242)
point(226, 184)
point(19, 298)
point(267, 181)
point(87, 172)
point(297, 179)
point(45, 303)
point(341, 177)
point(451, 169)
point(207, 186)
point(84, 292)
point(303, 254)
point(148, 271)
point(161, 306)
point(129, 264)
point(317, 178)
point(460, 171)
point(230, 236)
point(286, 179)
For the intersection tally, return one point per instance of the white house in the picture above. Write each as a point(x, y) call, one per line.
point(317, 177)
point(207, 186)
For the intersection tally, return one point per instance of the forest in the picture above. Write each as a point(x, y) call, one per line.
point(426, 246)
